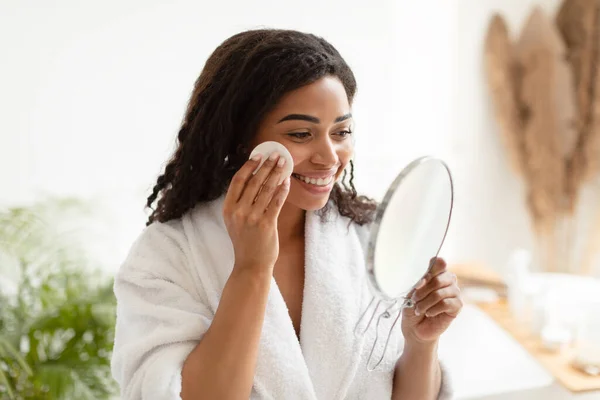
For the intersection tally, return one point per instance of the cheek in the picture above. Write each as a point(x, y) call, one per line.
point(345, 152)
point(299, 154)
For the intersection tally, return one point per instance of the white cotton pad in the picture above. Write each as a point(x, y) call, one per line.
point(266, 149)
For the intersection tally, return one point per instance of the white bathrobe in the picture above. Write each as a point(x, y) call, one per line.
point(169, 287)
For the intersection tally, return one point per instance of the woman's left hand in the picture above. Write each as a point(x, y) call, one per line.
point(437, 302)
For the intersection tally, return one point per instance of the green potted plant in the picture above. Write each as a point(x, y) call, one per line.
point(58, 312)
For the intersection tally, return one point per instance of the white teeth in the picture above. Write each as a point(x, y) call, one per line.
point(313, 181)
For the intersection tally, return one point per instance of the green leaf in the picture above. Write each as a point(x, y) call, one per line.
point(9, 350)
point(56, 379)
point(9, 390)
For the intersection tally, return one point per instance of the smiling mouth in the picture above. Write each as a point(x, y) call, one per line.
point(314, 181)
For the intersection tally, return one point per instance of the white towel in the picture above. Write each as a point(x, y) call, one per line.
point(168, 291)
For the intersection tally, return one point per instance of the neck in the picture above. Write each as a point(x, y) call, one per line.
point(290, 223)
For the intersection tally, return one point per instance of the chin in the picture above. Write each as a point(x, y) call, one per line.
point(307, 201)
point(309, 206)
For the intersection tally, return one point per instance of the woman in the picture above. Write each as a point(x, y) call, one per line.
point(246, 286)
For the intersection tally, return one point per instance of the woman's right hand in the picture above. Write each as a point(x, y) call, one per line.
point(251, 209)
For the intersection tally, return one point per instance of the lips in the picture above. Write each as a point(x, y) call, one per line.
point(323, 181)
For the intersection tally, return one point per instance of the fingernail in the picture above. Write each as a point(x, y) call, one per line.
point(274, 156)
point(417, 313)
point(420, 284)
point(256, 157)
point(281, 162)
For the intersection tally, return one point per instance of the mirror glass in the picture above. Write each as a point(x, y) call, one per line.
point(410, 227)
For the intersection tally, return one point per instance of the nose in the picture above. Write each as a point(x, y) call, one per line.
point(325, 153)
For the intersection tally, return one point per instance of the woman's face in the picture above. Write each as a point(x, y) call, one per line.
point(314, 124)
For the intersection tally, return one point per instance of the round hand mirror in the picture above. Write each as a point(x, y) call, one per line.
point(409, 229)
point(408, 232)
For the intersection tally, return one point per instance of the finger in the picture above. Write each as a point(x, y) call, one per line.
point(451, 306)
point(269, 187)
point(274, 207)
point(239, 180)
point(438, 266)
point(437, 282)
point(422, 306)
point(416, 287)
point(256, 181)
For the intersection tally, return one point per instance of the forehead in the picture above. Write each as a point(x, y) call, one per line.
point(325, 99)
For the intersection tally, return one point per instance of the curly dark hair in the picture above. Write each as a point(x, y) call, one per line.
point(242, 80)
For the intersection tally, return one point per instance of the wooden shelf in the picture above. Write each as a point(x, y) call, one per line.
point(557, 363)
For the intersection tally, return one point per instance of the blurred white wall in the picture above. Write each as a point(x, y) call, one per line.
point(92, 94)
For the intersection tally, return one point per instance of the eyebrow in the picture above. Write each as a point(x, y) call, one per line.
point(310, 118)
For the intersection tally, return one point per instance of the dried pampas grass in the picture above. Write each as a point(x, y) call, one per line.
point(578, 22)
point(501, 68)
point(546, 95)
point(532, 87)
point(545, 88)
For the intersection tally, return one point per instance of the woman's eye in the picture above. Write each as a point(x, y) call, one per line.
point(299, 135)
point(344, 133)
